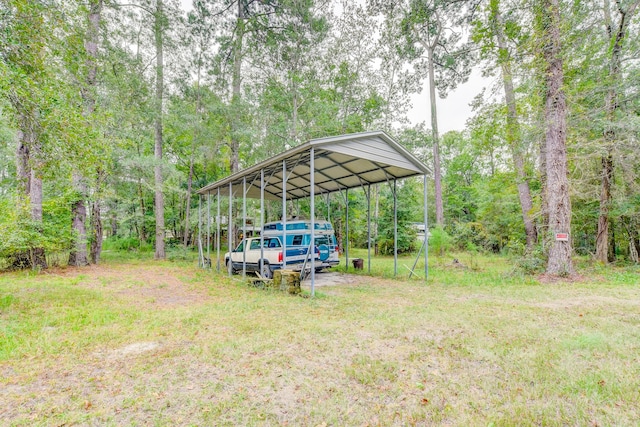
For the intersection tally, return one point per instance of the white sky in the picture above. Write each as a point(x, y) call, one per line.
point(454, 110)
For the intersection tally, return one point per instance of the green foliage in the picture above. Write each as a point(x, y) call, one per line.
point(469, 236)
point(130, 244)
point(440, 242)
point(531, 263)
point(20, 234)
point(499, 211)
point(179, 253)
point(437, 26)
point(409, 210)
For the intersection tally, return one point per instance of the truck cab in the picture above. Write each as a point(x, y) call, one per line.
point(266, 255)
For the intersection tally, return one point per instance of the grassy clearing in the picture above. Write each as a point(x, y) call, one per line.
point(163, 343)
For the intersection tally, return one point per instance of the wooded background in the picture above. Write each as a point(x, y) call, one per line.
point(113, 113)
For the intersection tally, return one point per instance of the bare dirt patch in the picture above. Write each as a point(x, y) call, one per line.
point(333, 278)
point(144, 284)
point(135, 349)
point(551, 279)
point(588, 302)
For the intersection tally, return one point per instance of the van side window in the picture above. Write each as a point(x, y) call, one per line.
point(297, 240)
point(272, 243)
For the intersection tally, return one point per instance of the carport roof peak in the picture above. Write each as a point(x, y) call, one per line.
point(341, 162)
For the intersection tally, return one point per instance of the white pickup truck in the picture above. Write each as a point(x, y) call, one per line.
point(269, 258)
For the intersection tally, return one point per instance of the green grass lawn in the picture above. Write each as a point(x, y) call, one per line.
point(164, 343)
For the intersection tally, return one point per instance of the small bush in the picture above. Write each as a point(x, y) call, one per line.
point(469, 236)
point(440, 241)
point(179, 253)
point(20, 236)
point(126, 244)
point(532, 263)
point(173, 242)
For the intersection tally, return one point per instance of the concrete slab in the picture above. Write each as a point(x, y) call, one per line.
point(331, 278)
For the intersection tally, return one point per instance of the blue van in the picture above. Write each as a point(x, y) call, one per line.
point(299, 235)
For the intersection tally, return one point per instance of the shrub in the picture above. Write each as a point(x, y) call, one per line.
point(126, 244)
point(439, 241)
point(19, 234)
point(531, 263)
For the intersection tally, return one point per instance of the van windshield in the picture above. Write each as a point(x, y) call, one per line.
point(322, 240)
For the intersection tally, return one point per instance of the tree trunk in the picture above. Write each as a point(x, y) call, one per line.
point(23, 169)
point(38, 258)
point(142, 230)
point(603, 234)
point(194, 141)
point(188, 207)
point(612, 240)
point(234, 164)
point(514, 137)
point(634, 246)
point(604, 239)
point(96, 222)
point(114, 219)
point(559, 262)
point(96, 227)
point(544, 199)
point(78, 254)
point(293, 135)
point(437, 174)
point(236, 86)
point(29, 182)
point(631, 222)
point(159, 197)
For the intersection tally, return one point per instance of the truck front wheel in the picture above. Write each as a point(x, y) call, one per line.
point(226, 264)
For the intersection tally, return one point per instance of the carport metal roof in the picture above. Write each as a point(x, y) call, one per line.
point(340, 162)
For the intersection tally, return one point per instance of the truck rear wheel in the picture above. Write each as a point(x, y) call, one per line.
point(265, 270)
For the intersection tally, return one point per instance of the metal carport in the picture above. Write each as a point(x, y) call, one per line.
point(317, 167)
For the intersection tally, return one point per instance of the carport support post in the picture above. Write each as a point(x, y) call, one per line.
point(395, 228)
point(200, 263)
point(229, 232)
point(261, 216)
point(346, 225)
point(209, 228)
point(312, 246)
point(284, 214)
point(244, 226)
point(329, 207)
point(426, 233)
point(218, 231)
point(369, 228)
